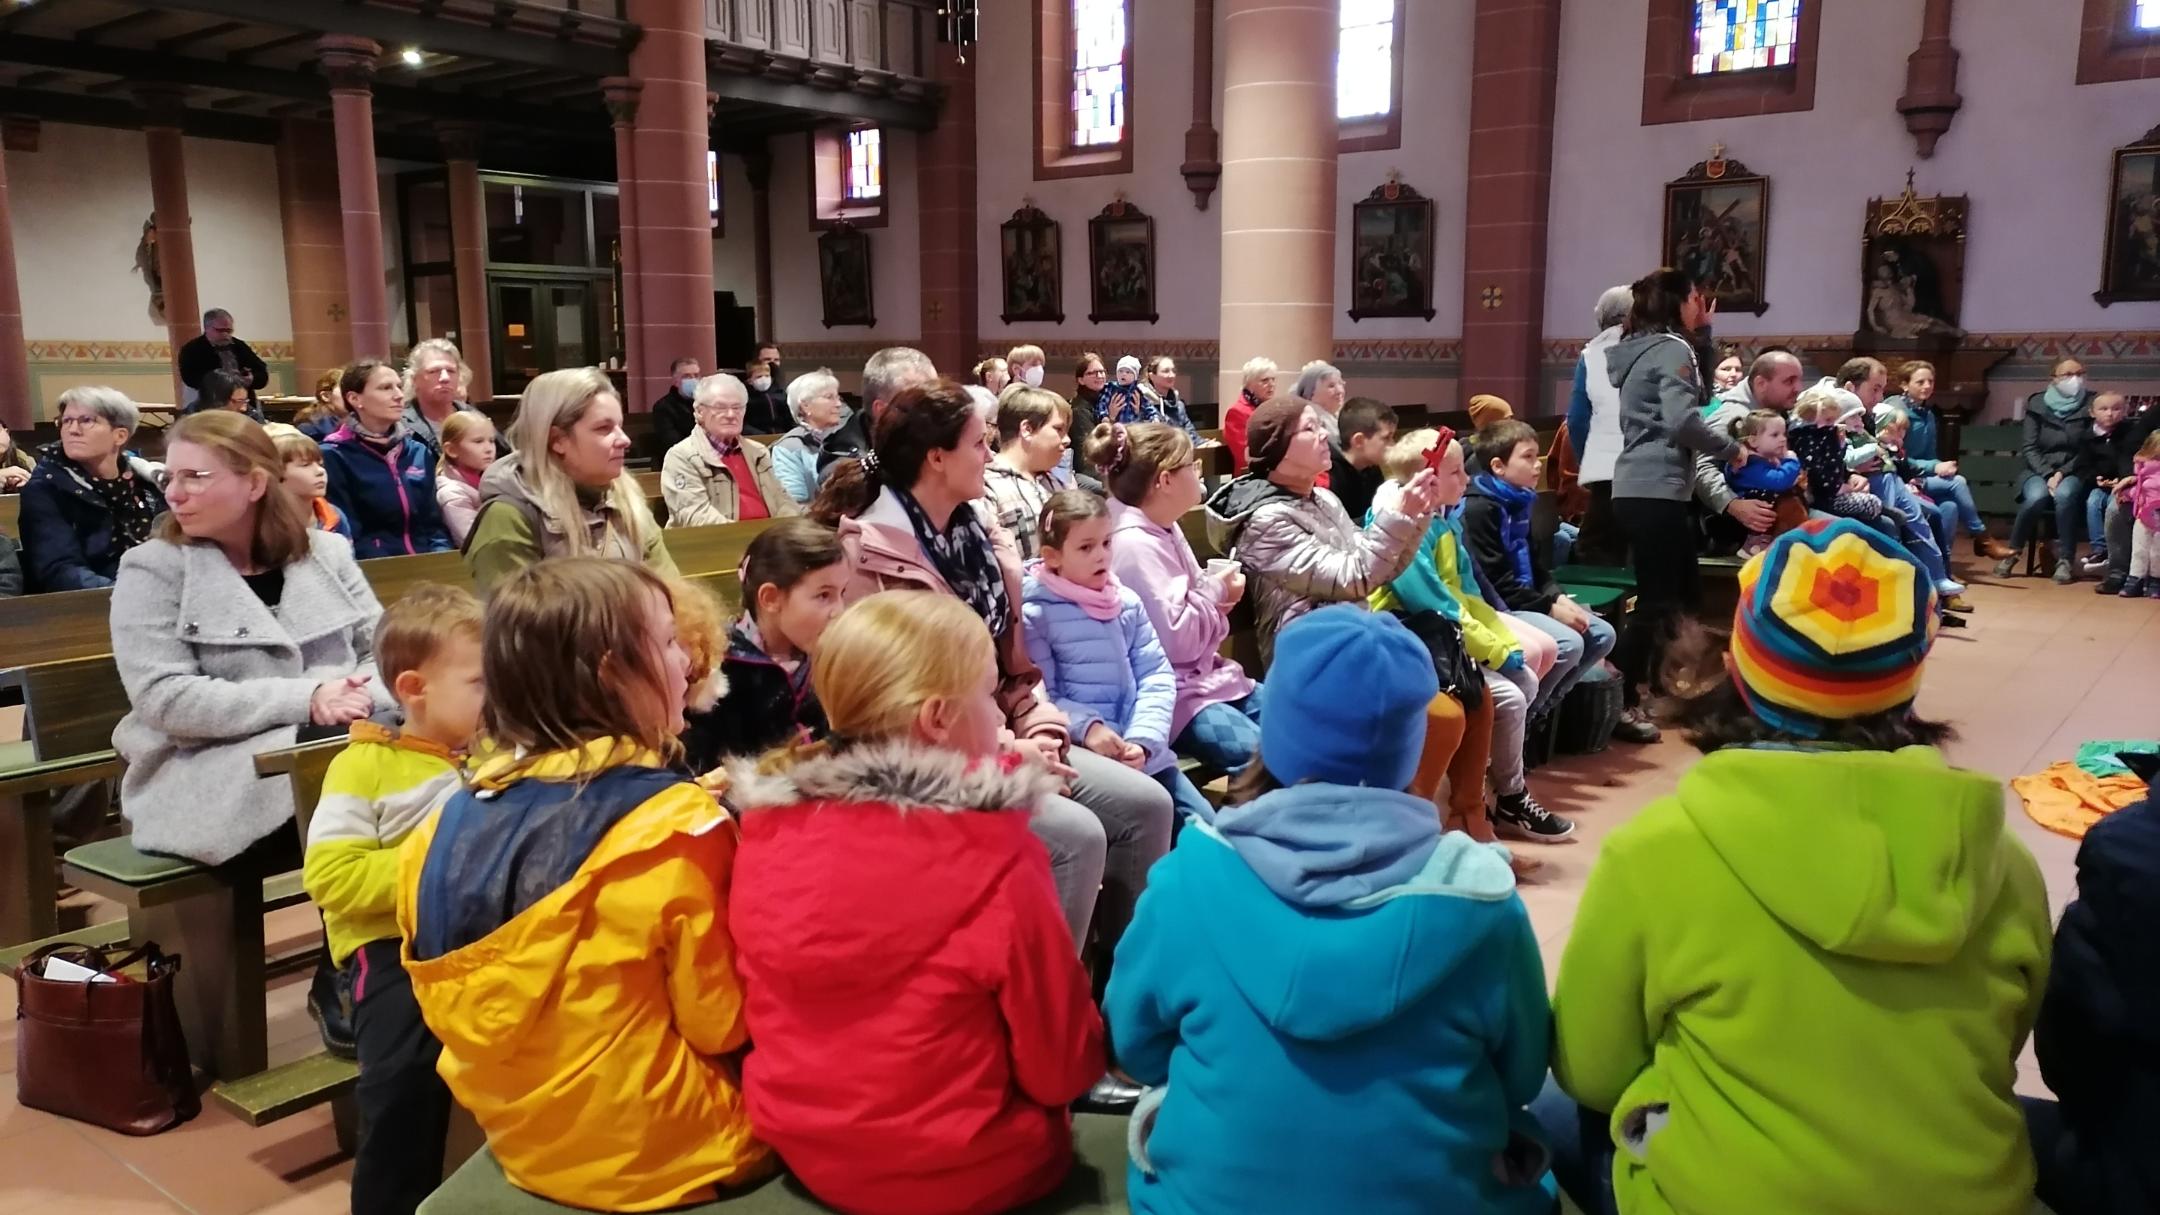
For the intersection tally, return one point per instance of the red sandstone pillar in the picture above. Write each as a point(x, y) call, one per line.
point(1278, 184)
point(1515, 67)
point(16, 411)
point(1203, 147)
point(621, 94)
point(468, 256)
point(674, 228)
point(1931, 98)
point(757, 165)
point(349, 63)
point(945, 184)
point(175, 233)
point(314, 249)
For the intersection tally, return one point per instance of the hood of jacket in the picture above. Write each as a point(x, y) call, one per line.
point(1230, 508)
point(1319, 971)
point(850, 819)
point(505, 478)
point(1629, 350)
point(1886, 856)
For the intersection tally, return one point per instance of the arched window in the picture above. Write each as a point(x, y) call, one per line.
point(1744, 35)
point(1710, 59)
point(1083, 87)
point(1368, 75)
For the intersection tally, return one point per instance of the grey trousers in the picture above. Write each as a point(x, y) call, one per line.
point(1103, 837)
point(1511, 699)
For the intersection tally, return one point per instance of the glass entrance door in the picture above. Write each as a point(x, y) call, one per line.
point(540, 325)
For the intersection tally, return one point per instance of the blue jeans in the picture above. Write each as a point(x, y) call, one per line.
point(1223, 735)
point(2096, 505)
point(1917, 535)
point(1563, 543)
point(1582, 1149)
point(1579, 655)
point(2033, 498)
point(1185, 795)
point(1956, 491)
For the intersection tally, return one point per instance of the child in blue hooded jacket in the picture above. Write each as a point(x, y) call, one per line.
point(1339, 1008)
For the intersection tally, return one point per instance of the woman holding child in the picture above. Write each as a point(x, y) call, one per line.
point(909, 519)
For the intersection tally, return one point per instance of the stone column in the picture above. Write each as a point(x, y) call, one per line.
point(674, 227)
point(1515, 67)
point(468, 255)
point(314, 249)
point(1278, 184)
point(621, 94)
point(945, 185)
point(1203, 147)
point(1931, 98)
point(349, 63)
point(757, 166)
point(175, 232)
point(16, 411)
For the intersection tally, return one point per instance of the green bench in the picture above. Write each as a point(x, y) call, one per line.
point(69, 710)
point(1992, 461)
point(1096, 1185)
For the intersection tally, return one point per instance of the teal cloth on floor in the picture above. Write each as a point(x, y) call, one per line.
point(2098, 758)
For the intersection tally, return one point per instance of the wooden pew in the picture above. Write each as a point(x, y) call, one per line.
point(70, 709)
point(11, 515)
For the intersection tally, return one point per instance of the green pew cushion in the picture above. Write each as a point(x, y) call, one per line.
point(117, 859)
point(1096, 1185)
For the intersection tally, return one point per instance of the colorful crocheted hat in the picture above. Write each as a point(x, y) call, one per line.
point(1834, 621)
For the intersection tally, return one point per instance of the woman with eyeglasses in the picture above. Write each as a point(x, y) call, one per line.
point(89, 500)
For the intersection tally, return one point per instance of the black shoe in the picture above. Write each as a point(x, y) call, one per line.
point(2110, 585)
point(1635, 726)
point(1519, 817)
point(2132, 588)
point(330, 1006)
point(1109, 1096)
point(1950, 621)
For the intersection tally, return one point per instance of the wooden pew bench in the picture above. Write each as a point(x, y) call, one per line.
point(11, 515)
point(69, 710)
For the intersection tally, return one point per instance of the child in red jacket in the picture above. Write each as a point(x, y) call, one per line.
point(919, 1017)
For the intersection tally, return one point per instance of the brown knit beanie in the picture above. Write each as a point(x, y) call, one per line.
point(1268, 431)
point(1485, 409)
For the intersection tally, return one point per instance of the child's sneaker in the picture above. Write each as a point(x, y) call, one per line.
point(1949, 588)
point(2133, 589)
point(1518, 816)
point(2152, 588)
point(2005, 567)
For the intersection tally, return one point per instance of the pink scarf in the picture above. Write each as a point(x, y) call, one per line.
point(1101, 605)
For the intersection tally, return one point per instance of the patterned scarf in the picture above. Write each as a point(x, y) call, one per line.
point(964, 559)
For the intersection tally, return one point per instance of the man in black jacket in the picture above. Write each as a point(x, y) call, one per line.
point(674, 415)
point(218, 350)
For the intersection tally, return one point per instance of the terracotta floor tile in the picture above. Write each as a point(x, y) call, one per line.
point(52, 1169)
point(218, 1165)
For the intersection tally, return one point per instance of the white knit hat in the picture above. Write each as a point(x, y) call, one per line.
point(1128, 363)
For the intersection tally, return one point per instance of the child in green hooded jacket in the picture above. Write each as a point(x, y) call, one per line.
point(1800, 984)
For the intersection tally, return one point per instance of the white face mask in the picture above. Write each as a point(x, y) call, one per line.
point(2070, 385)
point(688, 387)
point(761, 382)
point(1032, 376)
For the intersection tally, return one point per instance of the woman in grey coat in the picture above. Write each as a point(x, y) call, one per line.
point(1663, 384)
point(236, 628)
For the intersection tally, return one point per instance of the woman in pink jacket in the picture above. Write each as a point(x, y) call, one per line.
point(1153, 477)
point(910, 517)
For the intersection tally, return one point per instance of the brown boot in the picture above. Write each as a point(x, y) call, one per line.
point(1989, 547)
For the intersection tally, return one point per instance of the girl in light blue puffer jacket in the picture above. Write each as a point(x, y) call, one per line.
point(1101, 662)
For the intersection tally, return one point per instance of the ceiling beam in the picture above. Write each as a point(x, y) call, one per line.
point(247, 54)
point(145, 67)
point(91, 33)
point(439, 33)
point(205, 34)
point(815, 102)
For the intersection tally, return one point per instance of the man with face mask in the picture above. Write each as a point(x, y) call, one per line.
point(675, 413)
point(768, 400)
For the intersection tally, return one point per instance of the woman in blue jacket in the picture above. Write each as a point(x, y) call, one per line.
point(89, 500)
point(381, 478)
point(1338, 1007)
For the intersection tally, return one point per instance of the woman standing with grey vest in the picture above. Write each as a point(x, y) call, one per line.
point(1659, 371)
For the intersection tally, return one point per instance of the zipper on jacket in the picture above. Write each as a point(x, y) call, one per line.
point(397, 478)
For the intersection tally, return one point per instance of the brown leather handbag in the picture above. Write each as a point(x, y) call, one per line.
point(110, 1054)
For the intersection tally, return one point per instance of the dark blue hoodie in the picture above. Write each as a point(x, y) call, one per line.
point(385, 488)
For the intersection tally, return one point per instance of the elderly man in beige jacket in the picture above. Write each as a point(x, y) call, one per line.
point(716, 475)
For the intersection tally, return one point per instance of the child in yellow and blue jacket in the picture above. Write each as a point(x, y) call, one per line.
point(382, 786)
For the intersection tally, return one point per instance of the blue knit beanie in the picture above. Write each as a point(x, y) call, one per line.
point(1346, 700)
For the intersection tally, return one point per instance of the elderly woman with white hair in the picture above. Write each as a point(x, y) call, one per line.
point(1593, 432)
point(716, 475)
point(1260, 373)
point(1321, 382)
point(813, 400)
point(89, 500)
point(435, 382)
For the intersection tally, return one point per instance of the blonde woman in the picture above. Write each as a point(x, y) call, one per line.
point(563, 492)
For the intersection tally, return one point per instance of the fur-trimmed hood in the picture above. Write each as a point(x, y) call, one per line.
point(901, 774)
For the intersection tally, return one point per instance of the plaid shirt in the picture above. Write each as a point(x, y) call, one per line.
point(1016, 502)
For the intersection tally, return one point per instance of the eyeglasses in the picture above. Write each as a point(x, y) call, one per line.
point(726, 410)
point(81, 421)
point(193, 481)
point(1095, 373)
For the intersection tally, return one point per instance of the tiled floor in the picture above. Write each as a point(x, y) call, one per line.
point(2043, 669)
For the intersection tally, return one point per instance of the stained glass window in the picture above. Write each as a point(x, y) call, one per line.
point(2147, 14)
point(1365, 60)
point(864, 165)
point(1098, 90)
point(1743, 35)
